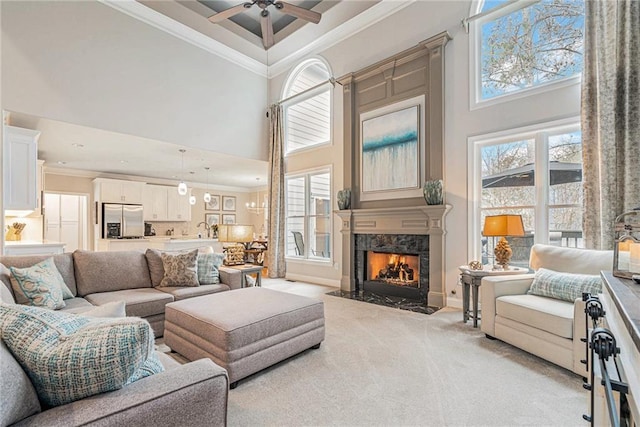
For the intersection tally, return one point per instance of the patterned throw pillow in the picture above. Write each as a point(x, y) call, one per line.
point(40, 285)
point(69, 357)
point(564, 286)
point(180, 269)
point(208, 265)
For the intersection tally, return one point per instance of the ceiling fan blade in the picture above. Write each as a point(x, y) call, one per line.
point(298, 12)
point(267, 29)
point(228, 13)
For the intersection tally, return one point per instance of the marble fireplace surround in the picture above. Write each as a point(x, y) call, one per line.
point(421, 220)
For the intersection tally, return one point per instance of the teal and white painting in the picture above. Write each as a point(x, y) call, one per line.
point(390, 150)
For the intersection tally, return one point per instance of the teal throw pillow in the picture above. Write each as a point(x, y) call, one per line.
point(564, 286)
point(208, 265)
point(69, 357)
point(40, 285)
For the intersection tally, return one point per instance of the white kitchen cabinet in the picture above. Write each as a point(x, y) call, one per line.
point(178, 207)
point(118, 191)
point(63, 221)
point(155, 202)
point(19, 165)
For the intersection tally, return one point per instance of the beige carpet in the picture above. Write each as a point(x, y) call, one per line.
point(381, 366)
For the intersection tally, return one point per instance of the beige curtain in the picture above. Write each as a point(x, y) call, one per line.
point(276, 253)
point(610, 116)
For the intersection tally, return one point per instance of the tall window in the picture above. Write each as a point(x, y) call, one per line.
point(517, 48)
point(307, 106)
point(308, 203)
point(534, 172)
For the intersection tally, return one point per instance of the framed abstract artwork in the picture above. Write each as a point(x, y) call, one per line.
point(214, 204)
point(228, 218)
point(228, 203)
point(212, 218)
point(392, 151)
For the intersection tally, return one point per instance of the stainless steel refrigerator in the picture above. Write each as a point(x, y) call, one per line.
point(122, 221)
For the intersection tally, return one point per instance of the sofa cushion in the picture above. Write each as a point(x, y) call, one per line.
point(142, 302)
point(564, 286)
point(208, 265)
point(110, 271)
point(180, 293)
point(18, 399)
point(156, 269)
point(6, 290)
point(40, 285)
point(69, 357)
point(548, 314)
point(64, 264)
point(180, 269)
point(77, 305)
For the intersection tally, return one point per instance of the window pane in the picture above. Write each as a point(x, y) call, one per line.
point(307, 122)
point(308, 77)
point(531, 46)
point(295, 236)
point(565, 227)
point(320, 198)
point(565, 169)
point(507, 174)
point(490, 4)
point(320, 236)
point(295, 196)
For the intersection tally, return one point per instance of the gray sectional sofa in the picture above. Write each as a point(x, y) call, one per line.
point(96, 278)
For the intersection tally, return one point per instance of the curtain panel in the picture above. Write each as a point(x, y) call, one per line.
point(275, 259)
point(610, 116)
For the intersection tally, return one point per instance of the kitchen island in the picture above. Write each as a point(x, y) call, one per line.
point(161, 243)
point(33, 247)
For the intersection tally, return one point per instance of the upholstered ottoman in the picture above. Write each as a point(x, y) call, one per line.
point(244, 330)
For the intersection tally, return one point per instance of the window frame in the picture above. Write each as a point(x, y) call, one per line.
point(538, 132)
point(289, 101)
point(306, 174)
point(475, 63)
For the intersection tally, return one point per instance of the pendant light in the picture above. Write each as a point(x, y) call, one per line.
point(192, 198)
point(182, 187)
point(207, 195)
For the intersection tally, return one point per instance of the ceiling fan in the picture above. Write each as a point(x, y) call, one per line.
point(265, 17)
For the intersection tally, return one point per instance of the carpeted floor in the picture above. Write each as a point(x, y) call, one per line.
point(381, 366)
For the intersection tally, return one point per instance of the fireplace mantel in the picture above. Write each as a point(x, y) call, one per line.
point(423, 219)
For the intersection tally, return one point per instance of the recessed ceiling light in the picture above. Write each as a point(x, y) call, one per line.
point(75, 144)
point(124, 161)
point(60, 162)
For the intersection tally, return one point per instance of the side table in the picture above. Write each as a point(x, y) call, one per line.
point(248, 269)
point(471, 281)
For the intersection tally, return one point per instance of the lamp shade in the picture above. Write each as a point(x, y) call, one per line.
point(503, 225)
point(235, 233)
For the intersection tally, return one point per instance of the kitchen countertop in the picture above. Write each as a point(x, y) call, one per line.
point(33, 243)
point(626, 296)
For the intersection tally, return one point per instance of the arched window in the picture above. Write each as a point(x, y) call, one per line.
point(518, 47)
point(307, 106)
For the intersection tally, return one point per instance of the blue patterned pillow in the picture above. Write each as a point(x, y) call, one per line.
point(69, 357)
point(208, 265)
point(40, 285)
point(564, 286)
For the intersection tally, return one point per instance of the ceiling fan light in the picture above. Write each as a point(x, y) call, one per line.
point(192, 200)
point(182, 189)
point(207, 197)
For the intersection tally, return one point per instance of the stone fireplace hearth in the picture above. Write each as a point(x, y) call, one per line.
point(416, 232)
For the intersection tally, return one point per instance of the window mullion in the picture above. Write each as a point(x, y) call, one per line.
point(541, 211)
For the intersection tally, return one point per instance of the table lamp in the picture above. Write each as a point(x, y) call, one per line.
point(239, 234)
point(503, 226)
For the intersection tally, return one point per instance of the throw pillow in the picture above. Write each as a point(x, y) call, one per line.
point(180, 269)
point(564, 286)
point(70, 357)
point(40, 285)
point(208, 265)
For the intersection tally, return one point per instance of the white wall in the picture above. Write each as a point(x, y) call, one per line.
point(399, 32)
point(85, 63)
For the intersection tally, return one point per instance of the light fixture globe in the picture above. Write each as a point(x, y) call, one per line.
point(192, 200)
point(207, 197)
point(182, 189)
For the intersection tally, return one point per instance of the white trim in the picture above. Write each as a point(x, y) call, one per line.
point(149, 16)
point(334, 283)
point(369, 17)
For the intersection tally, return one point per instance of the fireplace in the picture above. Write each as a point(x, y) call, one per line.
point(393, 264)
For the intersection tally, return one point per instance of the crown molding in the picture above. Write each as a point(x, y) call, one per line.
point(155, 19)
point(369, 17)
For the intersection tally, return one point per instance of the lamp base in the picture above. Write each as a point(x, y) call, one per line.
point(503, 253)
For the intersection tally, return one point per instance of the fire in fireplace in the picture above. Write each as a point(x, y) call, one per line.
point(394, 269)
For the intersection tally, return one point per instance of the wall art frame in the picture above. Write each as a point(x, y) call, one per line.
point(229, 203)
point(228, 218)
point(214, 204)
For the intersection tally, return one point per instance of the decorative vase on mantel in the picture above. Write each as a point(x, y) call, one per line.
point(344, 199)
point(432, 191)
